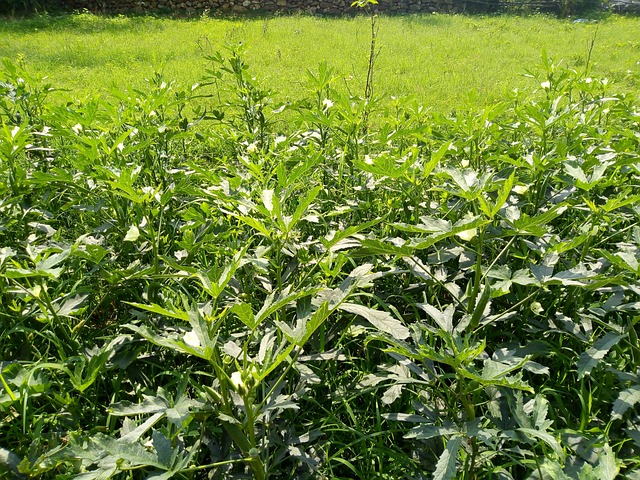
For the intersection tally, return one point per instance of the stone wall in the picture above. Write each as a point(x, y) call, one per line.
point(247, 6)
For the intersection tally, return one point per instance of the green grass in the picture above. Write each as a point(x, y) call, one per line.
point(443, 60)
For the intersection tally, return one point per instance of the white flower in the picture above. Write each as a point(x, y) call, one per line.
point(468, 234)
point(521, 189)
point(238, 384)
point(546, 85)
point(252, 148)
point(368, 160)
point(77, 128)
point(180, 254)
point(279, 139)
point(327, 104)
point(132, 234)
point(191, 339)
point(536, 307)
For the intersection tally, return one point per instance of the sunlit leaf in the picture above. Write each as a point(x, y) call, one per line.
point(589, 359)
point(446, 466)
point(383, 321)
point(627, 399)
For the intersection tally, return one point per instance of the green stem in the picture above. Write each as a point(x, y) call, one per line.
point(472, 461)
point(477, 281)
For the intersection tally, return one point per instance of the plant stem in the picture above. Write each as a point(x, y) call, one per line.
point(368, 89)
point(477, 281)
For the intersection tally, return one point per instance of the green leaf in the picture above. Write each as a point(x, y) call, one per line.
point(137, 433)
point(460, 226)
point(317, 318)
point(133, 454)
point(162, 475)
point(154, 308)
point(446, 466)
point(163, 448)
point(179, 343)
point(514, 382)
point(443, 319)
point(52, 260)
point(435, 158)
point(627, 399)
point(425, 432)
point(71, 305)
point(105, 472)
point(333, 240)
point(86, 373)
point(387, 164)
point(551, 470)
point(149, 404)
point(275, 302)
point(614, 203)
point(377, 247)
point(304, 204)
point(244, 312)
point(383, 321)
point(607, 468)
point(589, 359)
point(426, 225)
point(255, 224)
point(504, 194)
point(181, 411)
point(539, 224)
point(545, 437)
point(540, 411)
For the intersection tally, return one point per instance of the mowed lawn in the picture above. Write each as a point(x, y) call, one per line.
point(445, 61)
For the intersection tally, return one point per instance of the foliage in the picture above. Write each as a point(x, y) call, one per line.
point(209, 282)
point(445, 62)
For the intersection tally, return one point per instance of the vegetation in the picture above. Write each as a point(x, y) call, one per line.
point(443, 61)
point(216, 282)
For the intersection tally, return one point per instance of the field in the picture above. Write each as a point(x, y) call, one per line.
point(443, 61)
point(203, 279)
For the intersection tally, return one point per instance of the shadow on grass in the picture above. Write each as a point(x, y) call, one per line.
point(426, 19)
point(89, 23)
point(81, 23)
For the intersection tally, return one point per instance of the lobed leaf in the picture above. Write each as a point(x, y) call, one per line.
point(446, 466)
point(383, 321)
point(589, 359)
point(626, 399)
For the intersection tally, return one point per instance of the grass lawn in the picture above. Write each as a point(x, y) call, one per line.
point(310, 292)
point(444, 61)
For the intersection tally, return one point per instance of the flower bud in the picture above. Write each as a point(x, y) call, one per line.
point(238, 384)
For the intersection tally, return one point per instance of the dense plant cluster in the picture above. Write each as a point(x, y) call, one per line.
point(206, 283)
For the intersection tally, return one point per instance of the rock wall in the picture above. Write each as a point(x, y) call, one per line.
point(246, 6)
